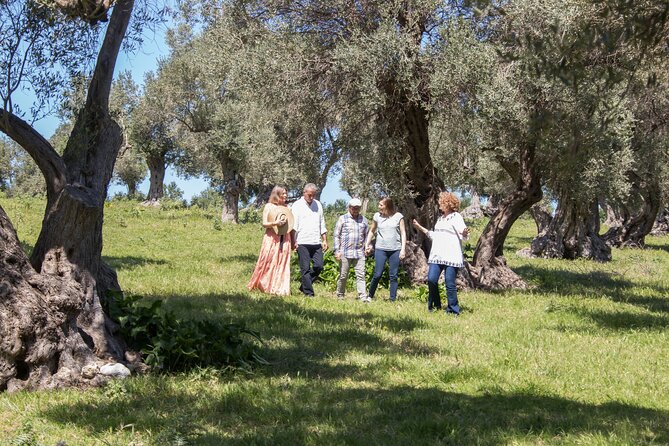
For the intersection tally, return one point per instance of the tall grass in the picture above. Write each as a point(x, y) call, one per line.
point(579, 358)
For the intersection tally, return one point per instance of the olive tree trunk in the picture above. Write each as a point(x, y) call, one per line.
point(573, 233)
point(423, 185)
point(233, 186)
point(634, 223)
point(52, 324)
point(488, 269)
point(661, 225)
point(157, 167)
point(542, 217)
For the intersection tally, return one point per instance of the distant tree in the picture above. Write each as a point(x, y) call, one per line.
point(5, 164)
point(151, 133)
point(130, 168)
point(362, 72)
point(632, 216)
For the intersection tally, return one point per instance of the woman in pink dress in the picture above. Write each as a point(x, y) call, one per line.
point(272, 272)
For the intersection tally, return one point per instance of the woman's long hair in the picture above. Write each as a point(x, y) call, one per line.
point(390, 206)
point(276, 192)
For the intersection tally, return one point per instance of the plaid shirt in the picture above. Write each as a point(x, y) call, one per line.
point(349, 236)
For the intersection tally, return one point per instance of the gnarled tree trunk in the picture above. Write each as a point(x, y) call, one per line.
point(157, 166)
point(54, 324)
point(474, 210)
point(632, 226)
point(573, 233)
point(488, 269)
point(661, 226)
point(42, 343)
point(541, 216)
point(233, 186)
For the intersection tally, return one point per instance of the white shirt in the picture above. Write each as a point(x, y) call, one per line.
point(446, 241)
point(388, 236)
point(309, 222)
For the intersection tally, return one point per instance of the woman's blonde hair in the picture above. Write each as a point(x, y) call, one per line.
point(276, 192)
point(390, 206)
point(449, 200)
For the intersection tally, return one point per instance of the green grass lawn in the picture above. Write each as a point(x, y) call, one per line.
point(580, 358)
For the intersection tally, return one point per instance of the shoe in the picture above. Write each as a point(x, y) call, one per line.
point(340, 297)
point(451, 313)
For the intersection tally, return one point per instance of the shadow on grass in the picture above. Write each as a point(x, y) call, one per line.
point(625, 320)
point(294, 413)
point(307, 340)
point(664, 248)
point(130, 262)
point(240, 258)
point(595, 284)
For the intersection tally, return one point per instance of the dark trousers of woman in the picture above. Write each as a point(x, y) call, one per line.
point(310, 258)
point(433, 299)
point(380, 258)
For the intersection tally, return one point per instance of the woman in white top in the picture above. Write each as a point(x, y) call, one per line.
point(446, 253)
point(388, 226)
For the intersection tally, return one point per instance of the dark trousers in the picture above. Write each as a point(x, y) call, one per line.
point(310, 258)
point(381, 256)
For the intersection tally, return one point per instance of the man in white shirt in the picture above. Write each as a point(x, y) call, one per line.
point(311, 235)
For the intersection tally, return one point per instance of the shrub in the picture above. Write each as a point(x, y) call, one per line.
point(331, 273)
point(209, 198)
point(171, 344)
point(250, 214)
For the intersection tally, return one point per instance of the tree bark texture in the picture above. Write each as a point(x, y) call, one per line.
point(421, 176)
point(661, 226)
point(53, 321)
point(634, 223)
point(474, 210)
point(573, 233)
point(541, 216)
point(233, 186)
point(43, 343)
point(492, 205)
point(489, 269)
point(415, 263)
point(157, 167)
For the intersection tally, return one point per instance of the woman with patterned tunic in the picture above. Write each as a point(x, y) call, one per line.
point(446, 253)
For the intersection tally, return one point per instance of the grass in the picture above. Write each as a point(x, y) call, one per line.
point(580, 358)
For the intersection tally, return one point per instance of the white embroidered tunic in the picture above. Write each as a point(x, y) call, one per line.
point(446, 240)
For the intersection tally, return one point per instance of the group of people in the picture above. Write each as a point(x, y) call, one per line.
point(302, 228)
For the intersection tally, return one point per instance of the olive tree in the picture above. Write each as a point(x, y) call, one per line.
point(52, 323)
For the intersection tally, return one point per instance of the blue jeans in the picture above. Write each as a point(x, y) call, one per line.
point(433, 299)
point(380, 258)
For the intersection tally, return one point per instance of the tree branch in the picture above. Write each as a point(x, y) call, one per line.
point(100, 88)
point(39, 149)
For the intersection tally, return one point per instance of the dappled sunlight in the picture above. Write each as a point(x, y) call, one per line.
point(320, 413)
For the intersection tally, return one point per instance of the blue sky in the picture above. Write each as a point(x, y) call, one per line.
point(143, 60)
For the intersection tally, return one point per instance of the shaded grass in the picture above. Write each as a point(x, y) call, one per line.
point(579, 358)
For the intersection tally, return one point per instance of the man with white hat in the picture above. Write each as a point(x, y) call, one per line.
point(349, 248)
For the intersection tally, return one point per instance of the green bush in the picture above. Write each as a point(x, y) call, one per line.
point(330, 274)
point(421, 293)
point(250, 214)
point(171, 344)
point(209, 198)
